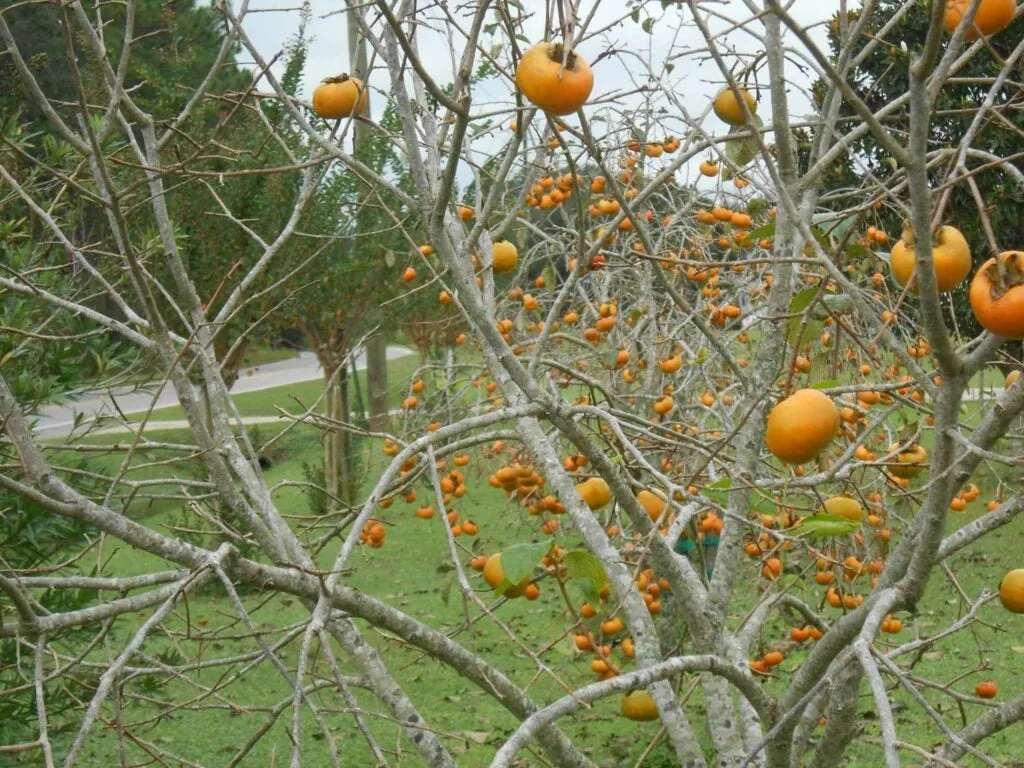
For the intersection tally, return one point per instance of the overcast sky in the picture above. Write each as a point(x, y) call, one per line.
point(694, 79)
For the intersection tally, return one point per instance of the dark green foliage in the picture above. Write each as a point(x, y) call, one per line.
point(883, 77)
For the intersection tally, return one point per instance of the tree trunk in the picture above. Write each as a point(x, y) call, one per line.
point(1017, 430)
point(231, 364)
point(345, 457)
point(376, 345)
point(331, 446)
point(377, 381)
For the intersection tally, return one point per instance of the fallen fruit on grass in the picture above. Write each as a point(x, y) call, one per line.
point(986, 689)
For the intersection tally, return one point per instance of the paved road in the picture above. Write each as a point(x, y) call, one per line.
point(57, 420)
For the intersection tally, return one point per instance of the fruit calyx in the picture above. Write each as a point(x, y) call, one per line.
point(910, 240)
point(1005, 272)
point(557, 51)
point(343, 77)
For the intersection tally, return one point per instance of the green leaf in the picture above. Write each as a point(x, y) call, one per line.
point(841, 227)
point(837, 303)
point(907, 433)
point(518, 561)
point(858, 251)
point(741, 152)
point(822, 237)
point(718, 491)
point(585, 572)
point(812, 330)
point(825, 526)
point(768, 230)
point(763, 506)
point(797, 307)
point(802, 300)
point(826, 384)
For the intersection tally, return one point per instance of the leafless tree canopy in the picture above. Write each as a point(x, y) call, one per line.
point(623, 264)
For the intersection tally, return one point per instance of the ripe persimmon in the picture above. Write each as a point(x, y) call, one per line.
point(991, 17)
point(773, 658)
point(986, 689)
point(1011, 591)
point(664, 405)
point(612, 626)
point(999, 305)
point(801, 426)
point(338, 97)
point(555, 87)
point(727, 107)
point(910, 461)
point(670, 364)
point(844, 506)
point(653, 503)
point(638, 705)
point(595, 492)
point(494, 575)
point(951, 257)
point(504, 256)
point(772, 568)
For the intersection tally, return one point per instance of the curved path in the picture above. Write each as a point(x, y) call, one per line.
point(55, 421)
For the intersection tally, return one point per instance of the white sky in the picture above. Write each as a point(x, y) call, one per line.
point(695, 79)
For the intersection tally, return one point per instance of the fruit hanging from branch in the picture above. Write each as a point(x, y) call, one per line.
point(1011, 591)
point(595, 492)
point(728, 109)
point(910, 460)
point(951, 258)
point(802, 426)
point(338, 97)
point(504, 256)
point(638, 705)
point(992, 16)
point(545, 82)
point(998, 300)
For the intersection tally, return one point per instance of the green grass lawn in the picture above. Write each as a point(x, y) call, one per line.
point(264, 355)
point(413, 572)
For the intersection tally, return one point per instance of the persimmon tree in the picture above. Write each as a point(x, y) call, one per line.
point(709, 407)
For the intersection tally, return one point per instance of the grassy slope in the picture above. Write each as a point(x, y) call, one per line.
point(412, 572)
